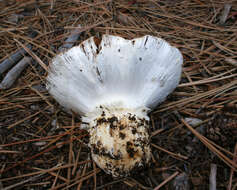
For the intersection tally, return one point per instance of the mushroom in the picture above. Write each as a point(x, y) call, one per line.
point(113, 83)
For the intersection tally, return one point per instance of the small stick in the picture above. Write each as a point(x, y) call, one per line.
point(13, 74)
point(156, 132)
point(94, 168)
point(210, 145)
point(71, 39)
point(110, 183)
point(224, 14)
point(10, 152)
point(212, 178)
point(170, 153)
point(153, 179)
point(39, 172)
point(55, 180)
point(15, 57)
point(9, 62)
point(71, 153)
point(167, 180)
point(206, 81)
point(23, 182)
point(232, 171)
point(223, 48)
point(33, 55)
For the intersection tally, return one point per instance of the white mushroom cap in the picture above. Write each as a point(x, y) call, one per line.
point(138, 72)
point(116, 78)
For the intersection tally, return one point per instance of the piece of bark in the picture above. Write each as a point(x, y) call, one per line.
point(15, 57)
point(13, 74)
point(9, 62)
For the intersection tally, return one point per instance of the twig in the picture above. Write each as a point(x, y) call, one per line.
point(184, 101)
point(76, 161)
point(167, 180)
point(153, 179)
point(71, 153)
point(23, 182)
point(55, 180)
point(170, 153)
point(225, 13)
point(223, 48)
point(77, 180)
point(71, 39)
point(135, 183)
point(83, 174)
point(39, 172)
point(41, 95)
point(32, 55)
point(206, 81)
point(206, 142)
point(9, 152)
point(232, 171)
point(110, 183)
point(156, 132)
point(212, 178)
point(22, 120)
point(15, 57)
point(33, 140)
point(34, 156)
point(95, 177)
point(89, 27)
point(9, 62)
point(14, 73)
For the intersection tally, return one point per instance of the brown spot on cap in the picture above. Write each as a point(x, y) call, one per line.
point(122, 135)
point(101, 120)
point(112, 121)
point(121, 127)
point(146, 122)
point(108, 165)
point(103, 151)
point(134, 131)
point(146, 41)
point(83, 48)
point(97, 43)
point(99, 143)
point(111, 131)
point(95, 149)
point(132, 118)
point(130, 150)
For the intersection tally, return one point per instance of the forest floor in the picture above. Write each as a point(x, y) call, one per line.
point(193, 133)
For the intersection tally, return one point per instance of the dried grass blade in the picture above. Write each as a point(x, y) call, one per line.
point(224, 158)
point(33, 55)
point(179, 156)
point(167, 180)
